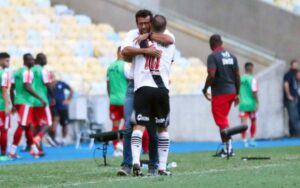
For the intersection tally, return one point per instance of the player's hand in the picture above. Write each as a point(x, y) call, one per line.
point(66, 102)
point(152, 52)
point(52, 102)
point(206, 95)
point(237, 100)
point(14, 109)
point(140, 38)
point(43, 103)
point(7, 112)
point(291, 98)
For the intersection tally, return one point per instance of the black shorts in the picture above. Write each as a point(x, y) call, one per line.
point(63, 117)
point(152, 105)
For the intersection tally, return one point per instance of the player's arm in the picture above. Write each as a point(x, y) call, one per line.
point(71, 93)
point(12, 92)
point(27, 80)
point(6, 99)
point(255, 91)
point(130, 52)
point(211, 72)
point(47, 80)
point(33, 93)
point(5, 86)
point(162, 38)
point(287, 89)
point(237, 82)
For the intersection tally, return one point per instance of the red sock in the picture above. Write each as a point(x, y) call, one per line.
point(145, 142)
point(244, 134)
point(253, 129)
point(40, 134)
point(29, 135)
point(115, 142)
point(17, 136)
point(3, 141)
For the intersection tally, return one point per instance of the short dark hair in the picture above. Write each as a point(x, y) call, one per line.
point(158, 23)
point(293, 61)
point(248, 64)
point(143, 13)
point(215, 41)
point(4, 55)
point(25, 56)
point(119, 49)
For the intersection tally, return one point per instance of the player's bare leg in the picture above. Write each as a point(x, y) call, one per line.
point(136, 147)
point(244, 134)
point(252, 142)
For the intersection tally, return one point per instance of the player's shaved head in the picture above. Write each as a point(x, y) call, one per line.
point(28, 59)
point(215, 41)
point(41, 59)
point(158, 23)
point(249, 67)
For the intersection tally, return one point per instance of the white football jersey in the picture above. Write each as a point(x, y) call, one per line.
point(149, 71)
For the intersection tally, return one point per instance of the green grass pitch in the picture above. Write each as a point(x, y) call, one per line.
point(194, 170)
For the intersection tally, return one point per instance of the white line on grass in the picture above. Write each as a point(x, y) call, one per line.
point(198, 173)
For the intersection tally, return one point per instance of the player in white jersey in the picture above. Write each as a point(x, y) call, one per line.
point(151, 100)
point(133, 41)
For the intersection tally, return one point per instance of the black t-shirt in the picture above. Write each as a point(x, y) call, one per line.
point(226, 67)
point(290, 77)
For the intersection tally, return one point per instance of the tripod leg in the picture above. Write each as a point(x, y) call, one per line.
point(227, 148)
point(104, 149)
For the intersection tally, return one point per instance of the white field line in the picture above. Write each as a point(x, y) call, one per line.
point(197, 173)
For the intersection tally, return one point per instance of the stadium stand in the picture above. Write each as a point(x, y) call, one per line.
point(78, 50)
point(291, 5)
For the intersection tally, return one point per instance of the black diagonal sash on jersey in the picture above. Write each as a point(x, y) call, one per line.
point(158, 80)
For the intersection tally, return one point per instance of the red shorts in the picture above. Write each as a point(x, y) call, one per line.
point(116, 112)
point(24, 114)
point(251, 115)
point(4, 121)
point(42, 116)
point(220, 108)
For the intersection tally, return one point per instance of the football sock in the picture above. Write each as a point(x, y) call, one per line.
point(115, 142)
point(3, 141)
point(17, 136)
point(136, 146)
point(29, 135)
point(163, 149)
point(229, 146)
point(253, 129)
point(145, 142)
point(244, 134)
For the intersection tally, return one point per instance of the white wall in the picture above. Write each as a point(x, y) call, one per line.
point(191, 118)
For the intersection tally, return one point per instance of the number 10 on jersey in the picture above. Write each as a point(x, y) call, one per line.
point(152, 63)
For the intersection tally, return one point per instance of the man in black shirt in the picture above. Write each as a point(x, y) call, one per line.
point(224, 80)
point(291, 99)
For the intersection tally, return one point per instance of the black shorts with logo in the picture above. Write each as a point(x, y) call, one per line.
point(152, 105)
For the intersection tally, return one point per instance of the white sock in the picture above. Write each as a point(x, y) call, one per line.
point(229, 146)
point(163, 150)
point(136, 146)
point(13, 149)
point(34, 148)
